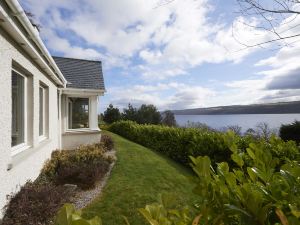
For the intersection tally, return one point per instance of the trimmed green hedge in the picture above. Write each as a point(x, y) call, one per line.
point(180, 143)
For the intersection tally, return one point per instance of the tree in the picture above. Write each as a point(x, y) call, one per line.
point(168, 118)
point(130, 113)
point(148, 114)
point(264, 131)
point(111, 114)
point(274, 14)
point(236, 129)
point(290, 131)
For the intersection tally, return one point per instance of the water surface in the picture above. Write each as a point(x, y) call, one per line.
point(243, 120)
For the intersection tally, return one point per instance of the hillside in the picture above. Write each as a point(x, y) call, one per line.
point(270, 108)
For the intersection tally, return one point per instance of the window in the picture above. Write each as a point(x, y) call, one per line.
point(42, 111)
point(78, 113)
point(18, 109)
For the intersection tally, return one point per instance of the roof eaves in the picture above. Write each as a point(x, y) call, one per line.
point(45, 56)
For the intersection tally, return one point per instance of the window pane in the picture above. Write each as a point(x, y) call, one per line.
point(17, 135)
point(41, 111)
point(78, 113)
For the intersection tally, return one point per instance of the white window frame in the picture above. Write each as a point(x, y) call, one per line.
point(68, 119)
point(23, 146)
point(43, 136)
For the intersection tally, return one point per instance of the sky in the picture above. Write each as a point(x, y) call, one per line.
point(174, 54)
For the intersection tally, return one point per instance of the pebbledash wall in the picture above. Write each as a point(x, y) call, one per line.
point(16, 169)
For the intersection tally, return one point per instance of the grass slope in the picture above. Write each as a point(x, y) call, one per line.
point(137, 179)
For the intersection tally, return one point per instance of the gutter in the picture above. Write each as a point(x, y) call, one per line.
point(83, 91)
point(34, 35)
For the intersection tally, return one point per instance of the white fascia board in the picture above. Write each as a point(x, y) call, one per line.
point(82, 92)
point(10, 27)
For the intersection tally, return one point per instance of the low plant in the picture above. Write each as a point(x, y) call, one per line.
point(84, 175)
point(83, 166)
point(107, 142)
point(165, 213)
point(67, 215)
point(264, 193)
point(34, 204)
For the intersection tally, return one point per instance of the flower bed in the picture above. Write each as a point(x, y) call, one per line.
point(37, 202)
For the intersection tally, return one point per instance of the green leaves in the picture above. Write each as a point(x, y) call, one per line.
point(262, 193)
point(238, 159)
point(202, 166)
point(67, 215)
point(161, 213)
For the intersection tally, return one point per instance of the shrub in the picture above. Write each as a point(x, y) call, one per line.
point(262, 194)
point(290, 131)
point(83, 166)
point(85, 175)
point(35, 204)
point(104, 126)
point(200, 126)
point(67, 215)
point(180, 143)
point(107, 142)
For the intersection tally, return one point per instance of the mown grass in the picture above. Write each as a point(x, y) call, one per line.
point(137, 179)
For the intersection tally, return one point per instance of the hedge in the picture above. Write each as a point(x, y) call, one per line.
point(180, 143)
point(290, 131)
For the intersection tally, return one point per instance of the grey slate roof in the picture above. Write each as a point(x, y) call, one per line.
point(79, 73)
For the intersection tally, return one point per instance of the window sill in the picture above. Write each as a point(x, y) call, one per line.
point(21, 155)
point(81, 131)
point(42, 138)
point(19, 148)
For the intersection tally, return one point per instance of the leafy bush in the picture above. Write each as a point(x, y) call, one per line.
point(104, 126)
point(35, 204)
point(107, 142)
point(83, 166)
point(262, 194)
point(290, 131)
point(67, 215)
point(85, 175)
point(180, 143)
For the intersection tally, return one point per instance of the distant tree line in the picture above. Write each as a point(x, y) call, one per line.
point(145, 114)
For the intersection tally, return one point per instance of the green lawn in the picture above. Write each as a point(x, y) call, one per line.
point(137, 179)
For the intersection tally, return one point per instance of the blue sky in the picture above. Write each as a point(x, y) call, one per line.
point(184, 54)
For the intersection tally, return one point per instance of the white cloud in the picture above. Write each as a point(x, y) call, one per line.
point(175, 95)
point(169, 39)
point(156, 43)
point(64, 46)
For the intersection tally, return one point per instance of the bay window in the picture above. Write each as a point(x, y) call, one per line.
point(78, 113)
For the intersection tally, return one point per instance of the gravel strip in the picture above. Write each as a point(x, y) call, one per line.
point(82, 198)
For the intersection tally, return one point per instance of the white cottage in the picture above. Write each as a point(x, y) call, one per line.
point(46, 102)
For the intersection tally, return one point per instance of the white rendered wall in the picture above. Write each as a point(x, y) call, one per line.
point(71, 140)
point(27, 164)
